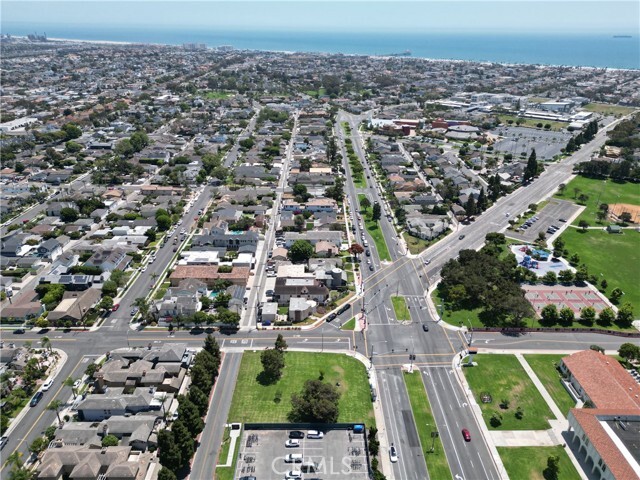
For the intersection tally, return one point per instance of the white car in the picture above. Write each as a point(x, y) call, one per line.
point(76, 384)
point(314, 434)
point(393, 455)
point(293, 474)
point(292, 443)
point(47, 385)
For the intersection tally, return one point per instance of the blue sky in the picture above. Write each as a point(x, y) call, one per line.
point(452, 16)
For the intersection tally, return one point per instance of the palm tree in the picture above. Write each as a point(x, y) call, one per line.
point(55, 405)
point(15, 459)
point(46, 343)
point(69, 382)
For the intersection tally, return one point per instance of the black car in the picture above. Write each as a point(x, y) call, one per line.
point(296, 434)
point(344, 308)
point(36, 399)
point(3, 441)
point(425, 327)
point(460, 237)
point(331, 317)
point(367, 252)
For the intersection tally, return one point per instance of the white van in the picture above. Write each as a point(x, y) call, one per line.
point(293, 458)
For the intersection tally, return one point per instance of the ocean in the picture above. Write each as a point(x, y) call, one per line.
point(595, 50)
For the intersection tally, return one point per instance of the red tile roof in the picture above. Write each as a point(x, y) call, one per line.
point(588, 420)
point(607, 384)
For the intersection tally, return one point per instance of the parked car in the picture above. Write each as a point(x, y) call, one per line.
point(466, 435)
point(461, 237)
point(292, 443)
point(296, 434)
point(314, 434)
point(3, 441)
point(115, 307)
point(293, 475)
point(47, 385)
point(331, 317)
point(293, 458)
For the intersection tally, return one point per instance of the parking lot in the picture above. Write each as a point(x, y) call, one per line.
point(550, 215)
point(522, 139)
point(340, 454)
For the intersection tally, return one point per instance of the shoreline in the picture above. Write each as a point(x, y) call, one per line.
point(294, 52)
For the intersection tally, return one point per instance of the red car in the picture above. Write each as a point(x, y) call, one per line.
point(115, 307)
point(466, 435)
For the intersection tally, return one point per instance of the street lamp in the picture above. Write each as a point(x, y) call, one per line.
point(372, 351)
point(470, 332)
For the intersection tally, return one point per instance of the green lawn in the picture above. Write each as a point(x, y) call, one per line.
point(530, 462)
point(457, 317)
point(400, 309)
point(373, 228)
point(606, 109)
point(226, 473)
point(532, 122)
point(254, 402)
point(416, 245)
point(349, 324)
point(425, 423)
point(503, 377)
point(215, 95)
point(599, 191)
point(614, 257)
point(545, 368)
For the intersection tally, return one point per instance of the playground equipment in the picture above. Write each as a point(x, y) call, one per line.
point(529, 262)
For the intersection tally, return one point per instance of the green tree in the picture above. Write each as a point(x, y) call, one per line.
point(550, 278)
point(629, 351)
point(211, 345)
point(55, 405)
point(166, 474)
point(300, 251)
point(124, 148)
point(376, 213)
point(71, 131)
point(281, 343)
point(553, 468)
point(189, 415)
point(606, 317)
point(588, 315)
point(317, 403)
point(109, 289)
point(163, 222)
point(565, 276)
point(110, 441)
point(549, 314)
point(272, 363)
point(625, 315)
point(582, 274)
point(365, 203)
point(139, 140)
point(583, 224)
point(615, 295)
point(184, 441)
point(72, 147)
point(199, 399)
point(169, 453)
point(531, 170)
point(68, 215)
point(38, 445)
point(68, 382)
point(566, 316)
point(106, 303)
point(201, 378)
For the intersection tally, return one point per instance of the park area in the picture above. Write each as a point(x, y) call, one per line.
point(507, 397)
point(545, 368)
point(612, 257)
point(530, 462)
point(254, 401)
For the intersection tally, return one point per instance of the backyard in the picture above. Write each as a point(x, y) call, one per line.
point(545, 368)
point(530, 462)
point(506, 382)
point(437, 464)
point(256, 402)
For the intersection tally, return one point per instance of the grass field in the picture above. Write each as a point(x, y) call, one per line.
point(215, 95)
point(373, 228)
point(226, 473)
point(616, 257)
point(532, 122)
point(530, 462)
point(254, 402)
point(437, 464)
point(544, 366)
point(606, 109)
point(349, 324)
point(400, 309)
point(416, 245)
point(503, 377)
point(599, 191)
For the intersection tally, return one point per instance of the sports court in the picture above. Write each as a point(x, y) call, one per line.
point(575, 298)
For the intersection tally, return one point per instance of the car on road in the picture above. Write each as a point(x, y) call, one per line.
point(76, 384)
point(367, 252)
point(47, 385)
point(343, 309)
point(393, 454)
point(296, 434)
point(293, 458)
point(427, 261)
point(174, 416)
point(134, 310)
point(250, 477)
point(36, 399)
point(314, 434)
point(144, 269)
point(331, 317)
point(425, 327)
point(3, 441)
point(563, 220)
point(292, 443)
point(466, 435)
point(371, 268)
point(175, 249)
point(461, 237)
point(19, 330)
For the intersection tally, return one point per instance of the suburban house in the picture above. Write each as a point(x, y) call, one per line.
point(50, 249)
point(307, 288)
point(301, 308)
point(109, 259)
point(313, 237)
point(122, 401)
point(208, 274)
point(75, 306)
